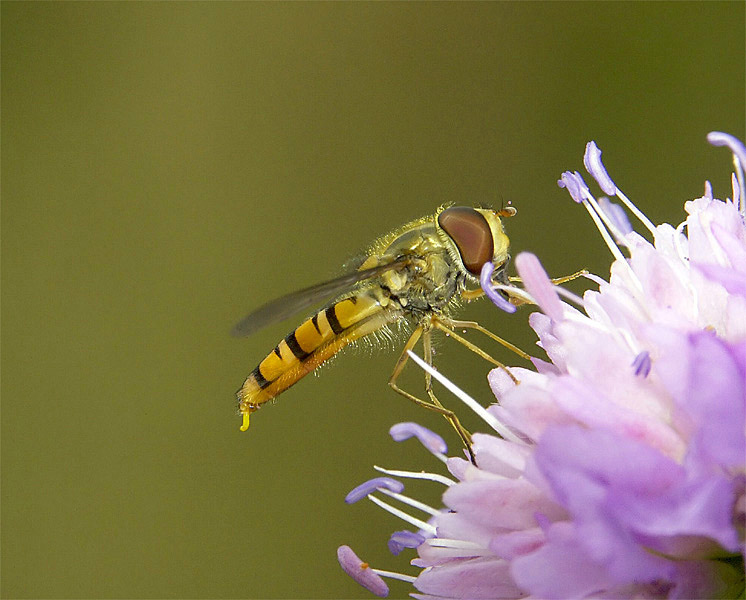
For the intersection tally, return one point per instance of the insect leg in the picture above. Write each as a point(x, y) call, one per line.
point(559, 280)
point(470, 295)
point(446, 325)
point(474, 325)
point(434, 403)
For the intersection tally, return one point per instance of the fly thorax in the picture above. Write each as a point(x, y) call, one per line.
point(434, 286)
point(396, 281)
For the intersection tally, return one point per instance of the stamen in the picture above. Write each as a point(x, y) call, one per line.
point(400, 540)
point(708, 190)
point(580, 193)
point(451, 543)
point(504, 432)
point(739, 176)
point(683, 256)
point(598, 213)
point(568, 181)
point(431, 440)
point(515, 291)
point(416, 475)
point(718, 138)
point(394, 575)
point(595, 279)
point(642, 364)
point(616, 215)
point(736, 189)
point(539, 286)
point(372, 485)
point(485, 281)
point(570, 296)
point(593, 164)
point(361, 572)
point(418, 523)
point(575, 185)
point(411, 502)
point(649, 225)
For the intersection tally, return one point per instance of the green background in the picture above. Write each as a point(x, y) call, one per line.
point(167, 167)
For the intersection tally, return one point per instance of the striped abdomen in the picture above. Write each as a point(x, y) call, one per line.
point(315, 341)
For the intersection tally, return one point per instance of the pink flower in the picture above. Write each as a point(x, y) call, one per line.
point(617, 468)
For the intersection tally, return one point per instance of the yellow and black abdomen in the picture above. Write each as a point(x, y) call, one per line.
point(310, 345)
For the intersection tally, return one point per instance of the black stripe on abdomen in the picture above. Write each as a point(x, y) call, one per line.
point(294, 346)
point(315, 321)
point(259, 378)
point(331, 316)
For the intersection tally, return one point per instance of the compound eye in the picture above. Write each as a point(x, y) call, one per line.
point(472, 235)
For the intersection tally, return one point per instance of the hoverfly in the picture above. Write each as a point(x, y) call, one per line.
point(415, 275)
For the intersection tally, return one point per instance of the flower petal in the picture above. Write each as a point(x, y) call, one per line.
point(471, 578)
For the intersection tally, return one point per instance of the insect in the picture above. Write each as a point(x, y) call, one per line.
point(415, 276)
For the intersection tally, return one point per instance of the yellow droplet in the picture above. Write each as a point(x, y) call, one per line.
point(245, 424)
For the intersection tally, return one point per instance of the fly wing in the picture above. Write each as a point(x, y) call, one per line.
point(286, 306)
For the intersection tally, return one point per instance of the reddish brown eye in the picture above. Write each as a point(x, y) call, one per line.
point(471, 233)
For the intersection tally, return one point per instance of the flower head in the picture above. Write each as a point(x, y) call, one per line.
point(618, 467)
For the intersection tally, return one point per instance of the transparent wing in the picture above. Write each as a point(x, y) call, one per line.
point(281, 308)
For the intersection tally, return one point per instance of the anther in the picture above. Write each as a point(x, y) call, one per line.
point(429, 439)
point(370, 486)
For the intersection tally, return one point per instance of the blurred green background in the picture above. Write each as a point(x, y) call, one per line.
point(166, 167)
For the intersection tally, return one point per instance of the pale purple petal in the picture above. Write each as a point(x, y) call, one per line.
point(458, 467)
point(498, 456)
point(602, 478)
point(539, 285)
point(457, 526)
point(500, 504)
point(579, 401)
point(733, 282)
point(475, 578)
point(517, 543)
point(733, 247)
point(361, 572)
point(714, 401)
point(687, 519)
point(544, 328)
point(560, 568)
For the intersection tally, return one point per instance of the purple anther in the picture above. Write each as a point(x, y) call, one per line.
point(718, 138)
point(361, 572)
point(539, 285)
point(616, 215)
point(642, 364)
point(593, 164)
point(370, 486)
point(431, 440)
point(404, 539)
point(485, 280)
point(575, 185)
